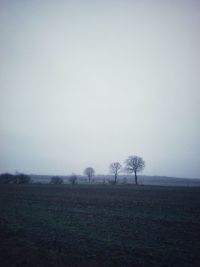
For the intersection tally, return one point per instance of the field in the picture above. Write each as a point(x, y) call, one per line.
point(82, 225)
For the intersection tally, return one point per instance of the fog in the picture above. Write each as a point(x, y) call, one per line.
point(86, 83)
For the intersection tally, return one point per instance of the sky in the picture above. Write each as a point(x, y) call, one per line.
point(87, 83)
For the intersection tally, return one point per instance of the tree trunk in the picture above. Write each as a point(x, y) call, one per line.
point(136, 182)
point(115, 178)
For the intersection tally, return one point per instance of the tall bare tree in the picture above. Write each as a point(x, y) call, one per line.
point(89, 172)
point(115, 168)
point(134, 164)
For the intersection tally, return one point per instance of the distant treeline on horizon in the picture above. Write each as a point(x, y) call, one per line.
point(7, 178)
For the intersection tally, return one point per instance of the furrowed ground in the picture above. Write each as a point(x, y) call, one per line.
point(82, 225)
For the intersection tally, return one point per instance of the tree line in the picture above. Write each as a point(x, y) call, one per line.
point(132, 165)
point(7, 178)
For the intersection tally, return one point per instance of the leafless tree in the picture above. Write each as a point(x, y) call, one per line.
point(89, 172)
point(134, 164)
point(115, 168)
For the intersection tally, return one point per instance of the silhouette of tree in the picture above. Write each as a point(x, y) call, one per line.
point(134, 164)
point(115, 167)
point(89, 172)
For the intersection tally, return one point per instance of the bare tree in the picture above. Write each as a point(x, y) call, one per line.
point(134, 164)
point(89, 172)
point(115, 168)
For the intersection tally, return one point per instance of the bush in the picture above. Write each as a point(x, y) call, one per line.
point(56, 180)
point(73, 179)
point(6, 178)
point(22, 179)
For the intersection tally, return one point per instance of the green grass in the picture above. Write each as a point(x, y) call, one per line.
point(48, 225)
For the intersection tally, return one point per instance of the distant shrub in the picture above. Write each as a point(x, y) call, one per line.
point(56, 180)
point(6, 178)
point(73, 179)
point(22, 179)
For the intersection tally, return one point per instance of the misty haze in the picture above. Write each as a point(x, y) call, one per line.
point(99, 133)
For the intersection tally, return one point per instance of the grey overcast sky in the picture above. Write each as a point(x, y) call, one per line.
point(85, 83)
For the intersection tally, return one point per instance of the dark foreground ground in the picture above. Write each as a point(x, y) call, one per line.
point(48, 225)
